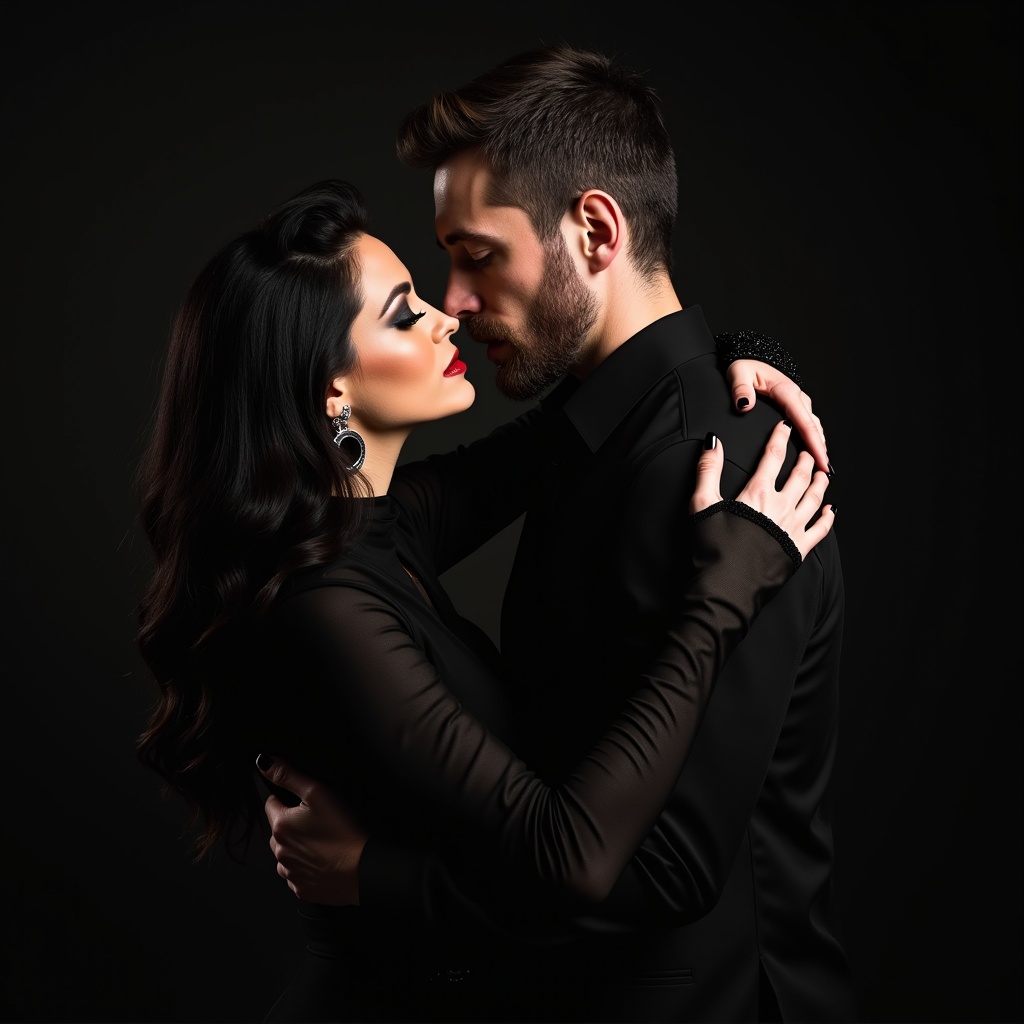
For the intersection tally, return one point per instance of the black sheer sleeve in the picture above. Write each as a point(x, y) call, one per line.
point(398, 739)
point(751, 345)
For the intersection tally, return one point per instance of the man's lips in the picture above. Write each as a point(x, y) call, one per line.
point(456, 366)
point(490, 333)
point(495, 348)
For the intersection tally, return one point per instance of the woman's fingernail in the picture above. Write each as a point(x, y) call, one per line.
point(831, 471)
point(710, 441)
point(264, 761)
point(789, 423)
point(834, 507)
point(742, 403)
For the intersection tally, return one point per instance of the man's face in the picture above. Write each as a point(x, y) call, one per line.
point(524, 300)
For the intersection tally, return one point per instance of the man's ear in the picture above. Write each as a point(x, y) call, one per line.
point(337, 397)
point(603, 227)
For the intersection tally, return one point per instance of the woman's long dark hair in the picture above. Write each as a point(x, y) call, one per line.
point(236, 484)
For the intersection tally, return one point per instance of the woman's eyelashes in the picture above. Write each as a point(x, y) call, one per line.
point(406, 318)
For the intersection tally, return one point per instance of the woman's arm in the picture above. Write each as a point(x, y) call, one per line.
point(466, 496)
point(402, 728)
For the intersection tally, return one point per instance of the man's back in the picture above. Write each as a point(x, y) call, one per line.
point(744, 850)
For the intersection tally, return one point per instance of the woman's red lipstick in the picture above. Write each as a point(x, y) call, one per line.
point(455, 366)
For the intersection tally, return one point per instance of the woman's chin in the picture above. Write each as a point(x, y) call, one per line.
point(468, 398)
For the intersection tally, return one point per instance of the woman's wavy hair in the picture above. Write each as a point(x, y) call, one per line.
point(237, 481)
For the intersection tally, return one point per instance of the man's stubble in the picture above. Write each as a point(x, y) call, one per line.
point(554, 336)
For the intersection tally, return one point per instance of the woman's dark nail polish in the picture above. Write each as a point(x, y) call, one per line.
point(789, 423)
point(831, 471)
point(834, 507)
point(710, 441)
point(742, 403)
point(264, 761)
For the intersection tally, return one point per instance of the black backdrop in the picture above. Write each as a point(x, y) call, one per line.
point(848, 183)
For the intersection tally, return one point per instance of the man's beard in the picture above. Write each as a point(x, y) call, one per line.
point(555, 333)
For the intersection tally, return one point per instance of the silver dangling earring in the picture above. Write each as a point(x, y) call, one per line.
point(346, 433)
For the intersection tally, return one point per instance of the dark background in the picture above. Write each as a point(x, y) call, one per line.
point(848, 184)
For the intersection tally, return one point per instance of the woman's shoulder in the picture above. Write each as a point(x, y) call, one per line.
point(344, 570)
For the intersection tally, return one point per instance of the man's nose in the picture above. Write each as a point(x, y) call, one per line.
point(459, 299)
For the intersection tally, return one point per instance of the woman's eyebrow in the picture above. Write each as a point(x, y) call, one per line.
point(400, 289)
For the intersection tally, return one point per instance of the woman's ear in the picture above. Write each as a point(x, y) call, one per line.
point(336, 397)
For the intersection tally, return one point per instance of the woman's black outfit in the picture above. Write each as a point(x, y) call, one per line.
point(364, 675)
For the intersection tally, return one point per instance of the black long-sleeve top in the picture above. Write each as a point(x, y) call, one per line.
point(365, 676)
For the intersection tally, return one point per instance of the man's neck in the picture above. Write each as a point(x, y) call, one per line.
point(627, 311)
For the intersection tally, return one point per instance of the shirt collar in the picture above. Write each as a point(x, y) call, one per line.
point(596, 406)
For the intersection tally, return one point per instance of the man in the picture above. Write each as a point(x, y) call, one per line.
point(555, 198)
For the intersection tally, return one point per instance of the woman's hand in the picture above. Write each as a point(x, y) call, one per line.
point(749, 377)
point(317, 844)
point(793, 506)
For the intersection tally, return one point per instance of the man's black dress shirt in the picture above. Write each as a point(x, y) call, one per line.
point(739, 867)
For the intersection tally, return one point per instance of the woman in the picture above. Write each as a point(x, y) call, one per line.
point(289, 546)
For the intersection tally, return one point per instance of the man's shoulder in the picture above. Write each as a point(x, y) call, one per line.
point(693, 398)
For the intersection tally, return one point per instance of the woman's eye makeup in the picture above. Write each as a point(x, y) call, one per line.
point(406, 318)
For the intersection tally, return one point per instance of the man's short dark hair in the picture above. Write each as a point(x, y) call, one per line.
point(552, 123)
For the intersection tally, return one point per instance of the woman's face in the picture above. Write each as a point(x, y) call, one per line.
point(407, 370)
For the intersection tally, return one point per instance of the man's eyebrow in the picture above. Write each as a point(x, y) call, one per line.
point(454, 237)
point(400, 289)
